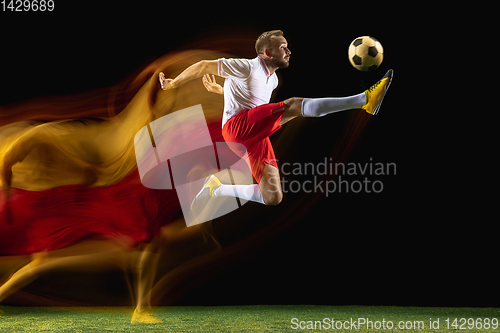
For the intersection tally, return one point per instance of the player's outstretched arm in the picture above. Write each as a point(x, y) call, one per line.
point(192, 72)
point(211, 85)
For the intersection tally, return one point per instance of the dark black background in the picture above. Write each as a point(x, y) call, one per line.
point(425, 240)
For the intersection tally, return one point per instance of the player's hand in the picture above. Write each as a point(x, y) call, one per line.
point(165, 83)
point(211, 85)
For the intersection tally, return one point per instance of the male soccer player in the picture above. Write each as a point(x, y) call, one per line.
point(250, 119)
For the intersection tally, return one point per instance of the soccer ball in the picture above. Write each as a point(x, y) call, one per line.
point(366, 53)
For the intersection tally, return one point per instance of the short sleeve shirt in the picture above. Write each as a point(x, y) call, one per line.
point(248, 84)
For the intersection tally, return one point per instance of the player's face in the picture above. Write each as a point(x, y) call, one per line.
point(280, 52)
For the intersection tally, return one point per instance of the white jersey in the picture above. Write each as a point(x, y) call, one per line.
point(248, 84)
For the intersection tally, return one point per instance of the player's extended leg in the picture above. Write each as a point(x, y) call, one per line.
point(369, 100)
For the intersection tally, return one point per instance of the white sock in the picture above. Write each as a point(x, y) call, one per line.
point(246, 192)
point(319, 107)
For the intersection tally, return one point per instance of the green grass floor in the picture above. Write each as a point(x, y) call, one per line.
point(255, 318)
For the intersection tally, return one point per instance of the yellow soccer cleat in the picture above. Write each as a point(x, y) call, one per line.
point(207, 192)
point(375, 94)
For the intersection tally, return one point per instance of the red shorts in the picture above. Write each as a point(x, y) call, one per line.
point(252, 129)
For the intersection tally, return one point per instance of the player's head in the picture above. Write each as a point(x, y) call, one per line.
point(274, 46)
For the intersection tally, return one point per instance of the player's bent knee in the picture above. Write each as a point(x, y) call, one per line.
point(292, 102)
point(293, 105)
point(272, 199)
